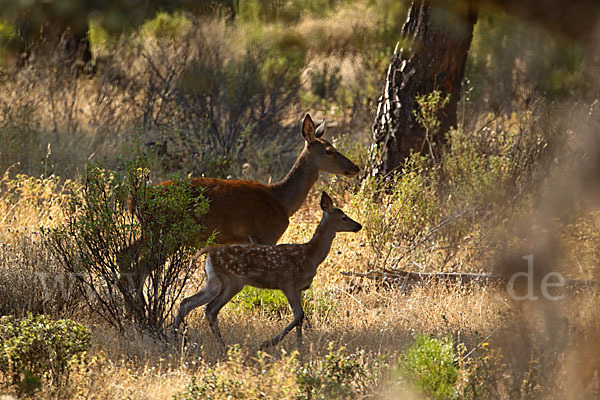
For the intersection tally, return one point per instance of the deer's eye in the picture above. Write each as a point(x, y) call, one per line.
point(345, 218)
point(329, 152)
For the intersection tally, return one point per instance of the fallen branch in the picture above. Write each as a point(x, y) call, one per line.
point(409, 278)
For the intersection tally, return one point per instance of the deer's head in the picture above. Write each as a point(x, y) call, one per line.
point(336, 217)
point(322, 153)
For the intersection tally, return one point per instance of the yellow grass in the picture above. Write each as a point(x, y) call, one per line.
point(366, 319)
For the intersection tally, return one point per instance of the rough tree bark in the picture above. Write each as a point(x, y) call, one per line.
point(438, 37)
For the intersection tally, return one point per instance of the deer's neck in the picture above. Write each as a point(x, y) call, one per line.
point(292, 190)
point(320, 244)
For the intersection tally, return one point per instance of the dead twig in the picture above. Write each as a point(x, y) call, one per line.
point(411, 278)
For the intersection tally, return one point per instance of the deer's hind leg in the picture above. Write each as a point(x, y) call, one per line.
point(204, 296)
point(226, 293)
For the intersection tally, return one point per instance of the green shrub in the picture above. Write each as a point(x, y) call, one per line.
point(429, 107)
point(432, 365)
point(122, 232)
point(338, 376)
point(36, 348)
point(396, 213)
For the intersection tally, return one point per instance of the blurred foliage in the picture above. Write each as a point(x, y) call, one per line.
point(512, 62)
point(166, 26)
point(113, 15)
point(235, 103)
point(325, 81)
point(36, 348)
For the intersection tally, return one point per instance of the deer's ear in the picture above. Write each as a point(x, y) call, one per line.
point(308, 129)
point(326, 202)
point(320, 130)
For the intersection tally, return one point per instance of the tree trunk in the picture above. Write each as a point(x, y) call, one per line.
point(439, 37)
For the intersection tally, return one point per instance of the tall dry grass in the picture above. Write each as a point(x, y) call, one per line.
point(53, 123)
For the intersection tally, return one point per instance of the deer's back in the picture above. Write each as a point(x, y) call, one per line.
point(240, 210)
point(264, 266)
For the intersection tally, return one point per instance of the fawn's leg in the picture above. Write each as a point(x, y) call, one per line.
point(208, 293)
point(215, 305)
point(190, 303)
point(293, 297)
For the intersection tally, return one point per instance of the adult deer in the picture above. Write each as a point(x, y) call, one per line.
point(287, 267)
point(252, 212)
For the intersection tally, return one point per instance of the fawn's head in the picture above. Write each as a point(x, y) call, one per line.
point(336, 217)
point(322, 153)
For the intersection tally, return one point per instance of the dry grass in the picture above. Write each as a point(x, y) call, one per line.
point(373, 322)
point(534, 349)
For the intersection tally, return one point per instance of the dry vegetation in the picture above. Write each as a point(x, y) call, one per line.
point(511, 184)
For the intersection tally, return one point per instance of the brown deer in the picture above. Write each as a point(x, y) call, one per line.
point(252, 212)
point(287, 267)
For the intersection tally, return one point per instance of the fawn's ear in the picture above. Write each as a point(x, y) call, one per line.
point(326, 202)
point(320, 130)
point(308, 129)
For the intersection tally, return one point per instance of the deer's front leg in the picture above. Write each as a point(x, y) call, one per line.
point(293, 297)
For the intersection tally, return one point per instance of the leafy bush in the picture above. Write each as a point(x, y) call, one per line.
point(111, 251)
point(433, 366)
point(396, 214)
point(338, 376)
point(38, 347)
point(428, 212)
point(429, 107)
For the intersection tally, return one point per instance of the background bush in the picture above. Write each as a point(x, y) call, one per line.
point(36, 348)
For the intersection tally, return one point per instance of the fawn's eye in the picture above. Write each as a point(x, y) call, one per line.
point(345, 219)
point(329, 152)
